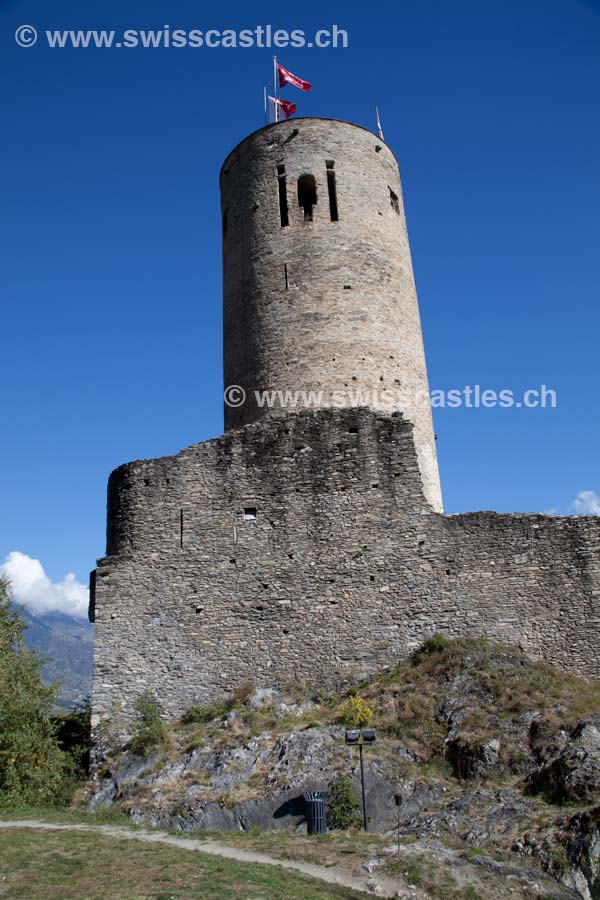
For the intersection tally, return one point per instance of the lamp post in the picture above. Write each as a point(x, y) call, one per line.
point(398, 799)
point(359, 737)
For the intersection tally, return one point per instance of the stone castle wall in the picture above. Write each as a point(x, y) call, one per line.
point(322, 304)
point(302, 549)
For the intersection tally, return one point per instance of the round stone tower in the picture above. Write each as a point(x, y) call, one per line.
point(319, 293)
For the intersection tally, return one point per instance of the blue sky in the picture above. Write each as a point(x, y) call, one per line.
point(110, 272)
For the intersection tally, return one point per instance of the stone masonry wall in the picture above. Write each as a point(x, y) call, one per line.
point(321, 305)
point(301, 549)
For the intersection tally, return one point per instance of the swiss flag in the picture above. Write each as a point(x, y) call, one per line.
point(278, 105)
point(286, 77)
point(287, 108)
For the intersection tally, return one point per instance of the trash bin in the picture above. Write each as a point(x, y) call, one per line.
point(316, 819)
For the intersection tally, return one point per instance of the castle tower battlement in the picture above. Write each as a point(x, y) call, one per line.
point(319, 294)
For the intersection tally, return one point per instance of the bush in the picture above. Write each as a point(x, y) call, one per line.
point(151, 731)
point(343, 806)
point(356, 713)
point(73, 731)
point(33, 768)
point(435, 644)
point(200, 715)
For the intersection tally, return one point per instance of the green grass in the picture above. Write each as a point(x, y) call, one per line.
point(334, 848)
point(78, 866)
point(65, 815)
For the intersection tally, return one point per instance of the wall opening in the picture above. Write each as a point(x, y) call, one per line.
point(332, 190)
point(283, 204)
point(287, 284)
point(307, 195)
point(250, 513)
point(394, 202)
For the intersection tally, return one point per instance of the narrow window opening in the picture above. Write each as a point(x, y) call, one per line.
point(307, 195)
point(287, 285)
point(332, 190)
point(395, 203)
point(250, 513)
point(225, 222)
point(283, 204)
point(181, 528)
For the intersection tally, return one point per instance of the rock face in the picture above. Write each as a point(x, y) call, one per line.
point(208, 789)
point(573, 774)
point(583, 853)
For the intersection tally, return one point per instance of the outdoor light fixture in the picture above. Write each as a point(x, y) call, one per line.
point(359, 738)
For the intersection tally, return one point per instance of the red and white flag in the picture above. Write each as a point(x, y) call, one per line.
point(286, 77)
point(280, 109)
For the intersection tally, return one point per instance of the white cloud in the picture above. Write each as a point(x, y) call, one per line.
point(32, 588)
point(586, 503)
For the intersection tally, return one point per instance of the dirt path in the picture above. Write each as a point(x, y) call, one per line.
point(332, 875)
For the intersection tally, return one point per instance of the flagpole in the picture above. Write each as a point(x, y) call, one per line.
point(275, 88)
point(265, 99)
point(379, 129)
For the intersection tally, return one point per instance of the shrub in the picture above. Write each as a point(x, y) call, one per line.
point(73, 730)
point(343, 806)
point(433, 645)
point(200, 715)
point(356, 713)
point(151, 731)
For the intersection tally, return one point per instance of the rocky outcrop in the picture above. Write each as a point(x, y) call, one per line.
point(257, 785)
point(572, 775)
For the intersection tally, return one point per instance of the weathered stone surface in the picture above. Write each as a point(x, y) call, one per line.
point(322, 306)
point(573, 775)
point(201, 789)
point(474, 759)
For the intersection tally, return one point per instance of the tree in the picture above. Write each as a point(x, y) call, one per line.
point(33, 768)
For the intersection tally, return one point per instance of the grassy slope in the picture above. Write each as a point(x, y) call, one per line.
point(73, 866)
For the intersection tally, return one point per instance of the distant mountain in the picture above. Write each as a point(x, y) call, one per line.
point(67, 644)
